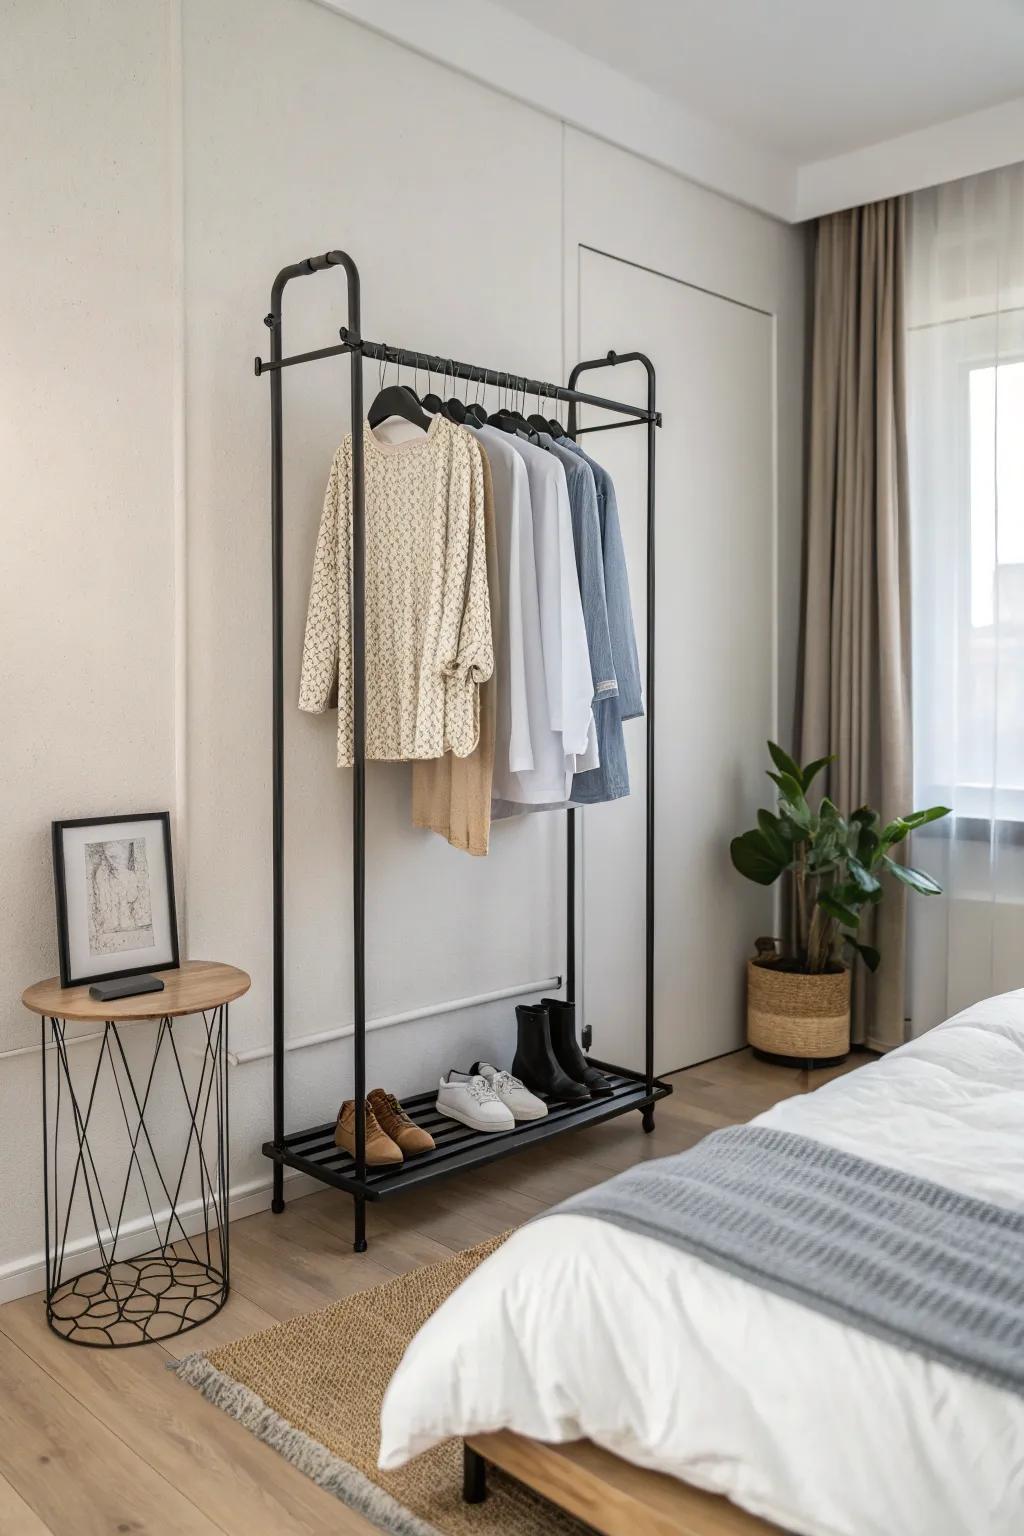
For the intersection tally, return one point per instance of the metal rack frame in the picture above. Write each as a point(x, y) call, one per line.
point(312, 1151)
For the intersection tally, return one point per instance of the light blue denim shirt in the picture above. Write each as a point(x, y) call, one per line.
point(586, 537)
point(610, 781)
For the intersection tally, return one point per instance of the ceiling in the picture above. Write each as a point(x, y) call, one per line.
point(808, 79)
point(794, 107)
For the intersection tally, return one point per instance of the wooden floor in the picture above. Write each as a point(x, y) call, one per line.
point(94, 1442)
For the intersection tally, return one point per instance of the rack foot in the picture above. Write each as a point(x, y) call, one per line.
point(277, 1199)
point(474, 1476)
point(359, 1227)
point(648, 1119)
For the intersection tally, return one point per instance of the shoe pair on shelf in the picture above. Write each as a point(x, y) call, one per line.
point(548, 1056)
point(391, 1136)
point(486, 1099)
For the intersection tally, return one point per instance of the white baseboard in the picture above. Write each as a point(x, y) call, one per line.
point(23, 1277)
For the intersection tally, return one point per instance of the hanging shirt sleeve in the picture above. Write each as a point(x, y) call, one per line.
point(577, 679)
point(620, 610)
point(467, 603)
point(522, 580)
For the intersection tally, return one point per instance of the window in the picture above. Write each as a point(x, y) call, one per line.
point(967, 522)
point(997, 468)
point(990, 661)
point(965, 421)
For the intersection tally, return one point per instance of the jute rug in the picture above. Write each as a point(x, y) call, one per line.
point(312, 1389)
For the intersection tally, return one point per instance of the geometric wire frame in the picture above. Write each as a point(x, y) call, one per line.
point(181, 1280)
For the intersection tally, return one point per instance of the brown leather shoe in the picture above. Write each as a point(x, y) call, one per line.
point(394, 1122)
point(380, 1149)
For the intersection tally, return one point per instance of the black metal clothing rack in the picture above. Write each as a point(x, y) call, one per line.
point(457, 1147)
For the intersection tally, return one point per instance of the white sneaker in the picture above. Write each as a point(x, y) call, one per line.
point(469, 1098)
point(512, 1093)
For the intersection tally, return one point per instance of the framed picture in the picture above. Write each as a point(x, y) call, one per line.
point(115, 896)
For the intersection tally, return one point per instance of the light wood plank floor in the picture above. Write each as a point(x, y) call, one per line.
point(96, 1443)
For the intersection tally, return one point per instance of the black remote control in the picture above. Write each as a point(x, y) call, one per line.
point(124, 986)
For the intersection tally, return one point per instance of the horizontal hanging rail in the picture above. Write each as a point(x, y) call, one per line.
point(432, 362)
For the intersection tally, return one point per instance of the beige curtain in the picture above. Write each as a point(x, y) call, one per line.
point(855, 657)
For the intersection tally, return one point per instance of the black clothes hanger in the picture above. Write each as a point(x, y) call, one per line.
point(518, 420)
point(509, 419)
point(555, 428)
point(396, 400)
point(500, 417)
point(477, 411)
point(432, 402)
point(454, 408)
point(541, 423)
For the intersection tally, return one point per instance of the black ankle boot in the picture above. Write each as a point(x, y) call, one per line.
point(535, 1061)
point(562, 1023)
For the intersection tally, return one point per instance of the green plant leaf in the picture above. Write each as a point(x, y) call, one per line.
point(839, 911)
point(868, 953)
point(915, 878)
point(810, 773)
point(753, 856)
point(784, 763)
point(894, 833)
point(789, 828)
point(864, 815)
point(921, 818)
point(823, 851)
point(862, 877)
point(788, 786)
point(794, 804)
point(867, 845)
point(849, 894)
point(775, 833)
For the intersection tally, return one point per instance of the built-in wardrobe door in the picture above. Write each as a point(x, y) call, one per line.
point(715, 679)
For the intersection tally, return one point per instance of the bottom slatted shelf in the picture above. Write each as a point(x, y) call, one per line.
point(458, 1146)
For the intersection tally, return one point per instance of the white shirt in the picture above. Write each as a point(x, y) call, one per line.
point(519, 652)
point(568, 679)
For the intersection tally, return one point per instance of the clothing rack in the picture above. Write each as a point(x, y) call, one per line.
point(457, 1147)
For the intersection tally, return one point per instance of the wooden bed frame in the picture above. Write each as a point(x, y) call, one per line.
point(605, 1492)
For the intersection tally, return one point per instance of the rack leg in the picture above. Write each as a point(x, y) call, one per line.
point(277, 1201)
point(648, 1119)
point(359, 1226)
point(474, 1476)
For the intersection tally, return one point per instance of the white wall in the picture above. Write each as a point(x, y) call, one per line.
point(87, 620)
point(464, 210)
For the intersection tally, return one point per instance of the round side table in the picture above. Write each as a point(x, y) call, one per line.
point(131, 1181)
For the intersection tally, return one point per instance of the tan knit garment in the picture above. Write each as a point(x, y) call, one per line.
point(428, 622)
point(452, 795)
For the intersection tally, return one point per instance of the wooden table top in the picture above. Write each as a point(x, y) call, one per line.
point(196, 985)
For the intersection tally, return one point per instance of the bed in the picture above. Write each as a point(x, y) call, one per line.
point(576, 1330)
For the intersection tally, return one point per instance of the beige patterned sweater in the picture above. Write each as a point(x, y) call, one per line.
point(428, 620)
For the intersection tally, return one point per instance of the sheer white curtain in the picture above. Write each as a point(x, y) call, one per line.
point(965, 388)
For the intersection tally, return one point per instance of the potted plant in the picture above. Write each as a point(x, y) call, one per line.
point(798, 995)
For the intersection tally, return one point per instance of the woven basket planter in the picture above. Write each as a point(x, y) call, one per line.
point(799, 1017)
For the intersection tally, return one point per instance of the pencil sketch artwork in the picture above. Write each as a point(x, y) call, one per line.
point(118, 896)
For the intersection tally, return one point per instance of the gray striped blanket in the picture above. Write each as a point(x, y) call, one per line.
point(912, 1262)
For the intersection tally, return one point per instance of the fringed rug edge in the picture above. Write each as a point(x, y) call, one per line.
point(330, 1472)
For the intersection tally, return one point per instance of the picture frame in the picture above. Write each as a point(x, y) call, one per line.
point(114, 886)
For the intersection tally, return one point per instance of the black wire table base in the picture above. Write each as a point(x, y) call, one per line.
point(141, 1290)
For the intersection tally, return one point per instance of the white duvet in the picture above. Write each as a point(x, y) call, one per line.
point(576, 1328)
